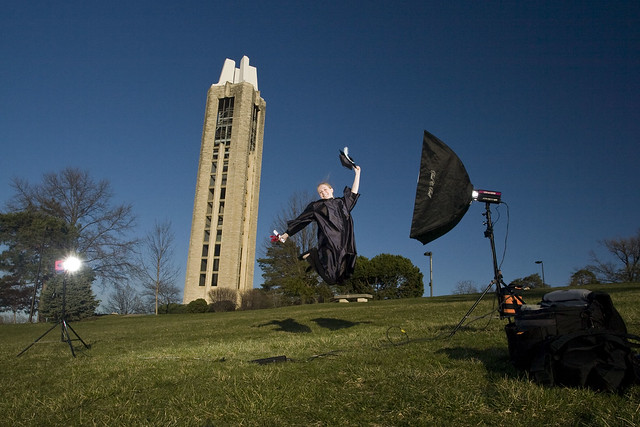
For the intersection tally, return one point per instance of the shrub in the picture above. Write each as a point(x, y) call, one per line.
point(220, 306)
point(172, 308)
point(198, 306)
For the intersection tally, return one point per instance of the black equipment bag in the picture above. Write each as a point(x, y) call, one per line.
point(574, 337)
point(598, 359)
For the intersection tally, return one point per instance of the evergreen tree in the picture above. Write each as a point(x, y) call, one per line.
point(583, 277)
point(284, 273)
point(31, 242)
point(386, 276)
point(71, 290)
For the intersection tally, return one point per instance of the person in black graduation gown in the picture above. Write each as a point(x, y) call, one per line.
point(335, 257)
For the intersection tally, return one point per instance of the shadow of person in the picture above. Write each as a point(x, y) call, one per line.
point(335, 324)
point(288, 325)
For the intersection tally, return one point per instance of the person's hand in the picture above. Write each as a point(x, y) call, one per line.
point(356, 169)
point(284, 237)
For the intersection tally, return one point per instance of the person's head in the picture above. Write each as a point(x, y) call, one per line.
point(325, 190)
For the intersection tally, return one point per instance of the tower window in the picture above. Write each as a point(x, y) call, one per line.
point(254, 128)
point(224, 121)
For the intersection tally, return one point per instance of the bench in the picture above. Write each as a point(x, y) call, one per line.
point(352, 298)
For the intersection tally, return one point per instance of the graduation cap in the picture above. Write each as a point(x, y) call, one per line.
point(346, 161)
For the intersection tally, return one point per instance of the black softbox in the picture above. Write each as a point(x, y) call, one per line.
point(444, 191)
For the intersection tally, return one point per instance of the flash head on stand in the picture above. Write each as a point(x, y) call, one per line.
point(486, 196)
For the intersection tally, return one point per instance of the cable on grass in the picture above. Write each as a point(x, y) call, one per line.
point(397, 336)
point(327, 354)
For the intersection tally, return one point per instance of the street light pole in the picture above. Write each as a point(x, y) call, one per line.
point(430, 255)
point(542, 265)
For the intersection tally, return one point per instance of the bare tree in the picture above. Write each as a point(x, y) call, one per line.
point(306, 238)
point(224, 299)
point(156, 270)
point(626, 264)
point(103, 229)
point(168, 294)
point(125, 300)
point(465, 287)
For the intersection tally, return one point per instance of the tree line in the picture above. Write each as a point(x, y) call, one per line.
point(69, 213)
point(619, 264)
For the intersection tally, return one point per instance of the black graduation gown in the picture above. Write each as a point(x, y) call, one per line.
point(335, 257)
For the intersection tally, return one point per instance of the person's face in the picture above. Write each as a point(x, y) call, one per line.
point(325, 191)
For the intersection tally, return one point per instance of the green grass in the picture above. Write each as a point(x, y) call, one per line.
point(347, 365)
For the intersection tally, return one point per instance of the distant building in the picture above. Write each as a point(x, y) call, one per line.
point(225, 210)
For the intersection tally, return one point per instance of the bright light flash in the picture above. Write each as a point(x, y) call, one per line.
point(72, 264)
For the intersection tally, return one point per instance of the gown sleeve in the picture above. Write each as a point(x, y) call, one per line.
point(350, 198)
point(305, 218)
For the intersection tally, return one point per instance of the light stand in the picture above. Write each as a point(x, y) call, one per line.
point(488, 197)
point(430, 255)
point(70, 265)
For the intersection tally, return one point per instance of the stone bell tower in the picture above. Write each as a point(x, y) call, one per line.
point(225, 210)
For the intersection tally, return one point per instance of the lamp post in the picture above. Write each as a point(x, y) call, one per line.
point(542, 265)
point(430, 255)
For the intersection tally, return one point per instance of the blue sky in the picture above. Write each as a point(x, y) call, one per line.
point(540, 100)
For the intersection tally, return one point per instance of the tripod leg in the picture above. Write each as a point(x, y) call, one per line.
point(470, 310)
point(65, 336)
point(38, 339)
point(78, 336)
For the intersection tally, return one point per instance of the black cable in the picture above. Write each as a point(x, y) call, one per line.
point(506, 235)
point(398, 337)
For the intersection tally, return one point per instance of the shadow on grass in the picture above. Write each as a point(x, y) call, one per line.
point(291, 325)
point(335, 324)
point(495, 359)
point(288, 325)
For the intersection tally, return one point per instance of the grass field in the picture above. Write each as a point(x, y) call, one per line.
point(346, 365)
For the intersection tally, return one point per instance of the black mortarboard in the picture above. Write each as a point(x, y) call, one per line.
point(346, 161)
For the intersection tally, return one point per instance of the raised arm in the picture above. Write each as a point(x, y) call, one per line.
point(356, 180)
